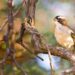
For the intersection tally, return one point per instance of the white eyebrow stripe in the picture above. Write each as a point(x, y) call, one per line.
point(62, 17)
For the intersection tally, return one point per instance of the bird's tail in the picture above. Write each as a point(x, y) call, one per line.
point(73, 36)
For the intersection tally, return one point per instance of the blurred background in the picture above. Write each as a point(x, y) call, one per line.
point(46, 10)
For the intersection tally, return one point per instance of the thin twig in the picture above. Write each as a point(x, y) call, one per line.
point(50, 60)
point(18, 66)
point(6, 20)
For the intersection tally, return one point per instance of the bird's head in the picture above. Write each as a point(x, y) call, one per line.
point(61, 19)
point(28, 20)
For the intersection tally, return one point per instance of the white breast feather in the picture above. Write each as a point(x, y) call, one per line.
point(63, 36)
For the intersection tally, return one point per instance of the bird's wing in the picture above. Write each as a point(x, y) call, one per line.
point(73, 35)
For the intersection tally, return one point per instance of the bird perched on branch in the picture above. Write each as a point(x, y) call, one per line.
point(63, 33)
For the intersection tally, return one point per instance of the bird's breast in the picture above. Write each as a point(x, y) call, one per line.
point(63, 37)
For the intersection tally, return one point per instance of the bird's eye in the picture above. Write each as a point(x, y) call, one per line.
point(60, 20)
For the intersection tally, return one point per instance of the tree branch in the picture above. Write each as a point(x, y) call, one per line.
point(6, 20)
point(38, 40)
point(56, 51)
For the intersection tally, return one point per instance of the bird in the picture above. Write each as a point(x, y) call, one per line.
point(28, 20)
point(64, 35)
